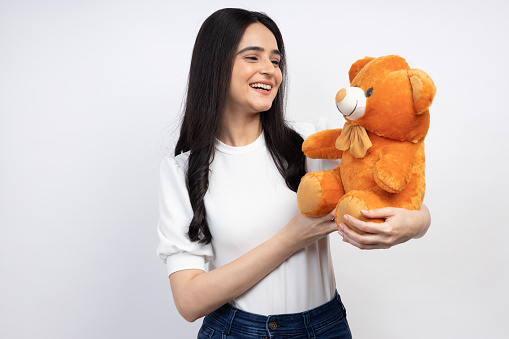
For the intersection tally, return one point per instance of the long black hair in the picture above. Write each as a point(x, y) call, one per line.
point(207, 92)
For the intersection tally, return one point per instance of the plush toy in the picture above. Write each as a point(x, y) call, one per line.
point(381, 145)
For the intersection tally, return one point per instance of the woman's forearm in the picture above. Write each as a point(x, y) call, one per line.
point(425, 222)
point(197, 293)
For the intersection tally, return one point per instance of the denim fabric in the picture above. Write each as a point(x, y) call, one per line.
point(324, 322)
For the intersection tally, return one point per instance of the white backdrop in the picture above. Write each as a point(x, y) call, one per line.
point(89, 95)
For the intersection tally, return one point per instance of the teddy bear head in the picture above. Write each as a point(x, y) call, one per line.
point(388, 98)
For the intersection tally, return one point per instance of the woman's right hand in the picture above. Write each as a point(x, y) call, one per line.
point(302, 230)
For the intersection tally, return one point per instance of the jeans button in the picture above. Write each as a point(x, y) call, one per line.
point(273, 325)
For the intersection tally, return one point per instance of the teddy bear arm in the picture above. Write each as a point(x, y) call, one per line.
point(322, 145)
point(394, 168)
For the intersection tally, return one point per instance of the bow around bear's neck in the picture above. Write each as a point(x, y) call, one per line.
point(355, 138)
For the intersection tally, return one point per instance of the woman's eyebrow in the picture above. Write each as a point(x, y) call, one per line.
point(257, 48)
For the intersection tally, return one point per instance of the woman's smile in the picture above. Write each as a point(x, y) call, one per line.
point(263, 87)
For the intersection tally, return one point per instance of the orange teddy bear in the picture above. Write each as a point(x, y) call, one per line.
point(381, 145)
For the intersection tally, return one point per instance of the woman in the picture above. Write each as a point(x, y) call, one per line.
point(228, 198)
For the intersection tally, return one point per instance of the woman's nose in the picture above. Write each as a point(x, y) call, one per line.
point(267, 67)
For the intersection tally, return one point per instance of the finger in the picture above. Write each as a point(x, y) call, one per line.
point(333, 224)
point(364, 242)
point(366, 247)
point(330, 215)
point(383, 213)
point(357, 238)
point(329, 218)
point(367, 227)
point(328, 222)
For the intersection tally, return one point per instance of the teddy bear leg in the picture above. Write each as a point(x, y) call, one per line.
point(319, 192)
point(353, 202)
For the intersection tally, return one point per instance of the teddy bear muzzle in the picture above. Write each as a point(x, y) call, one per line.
point(351, 102)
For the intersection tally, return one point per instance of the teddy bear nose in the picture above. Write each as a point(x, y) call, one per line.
point(351, 102)
point(341, 95)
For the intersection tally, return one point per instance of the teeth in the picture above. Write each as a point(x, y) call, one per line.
point(263, 86)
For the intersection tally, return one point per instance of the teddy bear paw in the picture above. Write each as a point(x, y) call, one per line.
point(352, 204)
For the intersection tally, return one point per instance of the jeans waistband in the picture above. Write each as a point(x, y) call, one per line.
point(232, 317)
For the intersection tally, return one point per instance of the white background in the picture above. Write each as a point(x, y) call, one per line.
point(90, 92)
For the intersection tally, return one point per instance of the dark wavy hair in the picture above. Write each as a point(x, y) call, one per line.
point(207, 91)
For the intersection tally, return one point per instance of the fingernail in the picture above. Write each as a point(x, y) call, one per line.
point(342, 226)
point(364, 211)
point(341, 234)
point(345, 217)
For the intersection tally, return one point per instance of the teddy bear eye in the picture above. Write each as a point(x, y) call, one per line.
point(369, 92)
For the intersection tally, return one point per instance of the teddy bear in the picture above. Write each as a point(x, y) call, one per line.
point(381, 145)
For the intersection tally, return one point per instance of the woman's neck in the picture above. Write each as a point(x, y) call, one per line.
point(240, 131)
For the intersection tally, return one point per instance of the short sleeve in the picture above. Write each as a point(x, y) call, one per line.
point(305, 130)
point(175, 214)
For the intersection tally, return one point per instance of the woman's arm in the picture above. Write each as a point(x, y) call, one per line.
point(400, 225)
point(197, 293)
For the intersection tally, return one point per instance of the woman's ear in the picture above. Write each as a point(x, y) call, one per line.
point(357, 66)
point(423, 90)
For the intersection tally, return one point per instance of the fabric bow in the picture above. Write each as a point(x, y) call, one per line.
point(355, 138)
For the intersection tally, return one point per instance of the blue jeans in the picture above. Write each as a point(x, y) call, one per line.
point(324, 322)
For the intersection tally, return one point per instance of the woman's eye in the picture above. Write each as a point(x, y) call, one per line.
point(253, 58)
point(276, 62)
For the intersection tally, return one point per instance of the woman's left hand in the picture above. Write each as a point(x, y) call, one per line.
point(400, 225)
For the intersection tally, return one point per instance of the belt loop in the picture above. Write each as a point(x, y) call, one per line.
point(309, 327)
point(229, 321)
point(338, 298)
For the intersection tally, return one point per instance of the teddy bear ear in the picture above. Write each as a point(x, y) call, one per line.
point(423, 90)
point(357, 66)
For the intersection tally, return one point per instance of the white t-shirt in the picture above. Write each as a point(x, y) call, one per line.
point(247, 203)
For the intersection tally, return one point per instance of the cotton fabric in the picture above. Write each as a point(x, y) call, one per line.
point(247, 203)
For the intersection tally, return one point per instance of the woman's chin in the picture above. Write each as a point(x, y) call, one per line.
point(263, 107)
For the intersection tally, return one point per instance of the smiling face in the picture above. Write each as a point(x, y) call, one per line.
point(256, 75)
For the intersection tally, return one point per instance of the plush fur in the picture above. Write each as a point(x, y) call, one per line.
point(386, 166)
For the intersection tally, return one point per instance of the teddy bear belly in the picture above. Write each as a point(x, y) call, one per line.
point(358, 174)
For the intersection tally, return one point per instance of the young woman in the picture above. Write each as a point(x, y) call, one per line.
point(228, 198)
